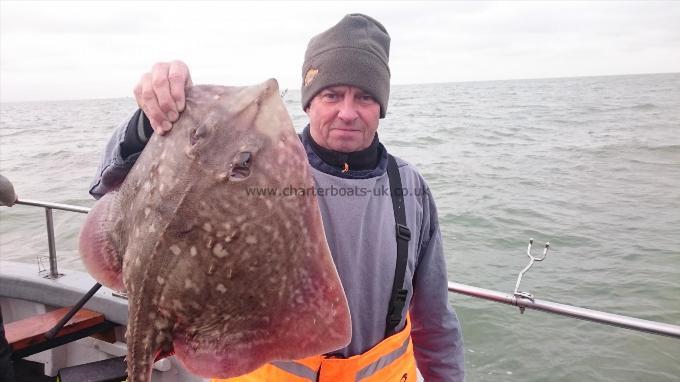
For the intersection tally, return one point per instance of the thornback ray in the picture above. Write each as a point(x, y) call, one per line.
point(228, 277)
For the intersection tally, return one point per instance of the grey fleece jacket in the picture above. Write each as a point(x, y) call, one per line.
point(360, 230)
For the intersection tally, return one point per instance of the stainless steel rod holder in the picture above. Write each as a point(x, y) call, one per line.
point(532, 259)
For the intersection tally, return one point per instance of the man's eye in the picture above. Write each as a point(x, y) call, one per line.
point(365, 98)
point(329, 97)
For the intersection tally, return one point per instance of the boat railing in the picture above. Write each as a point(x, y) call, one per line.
point(49, 223)
point(522, 300)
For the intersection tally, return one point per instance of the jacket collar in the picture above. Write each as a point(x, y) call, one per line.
point(366, 163)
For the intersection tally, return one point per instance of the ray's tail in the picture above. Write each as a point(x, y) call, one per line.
point(146, 336)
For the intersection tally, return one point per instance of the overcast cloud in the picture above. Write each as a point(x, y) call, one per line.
point(82, 50)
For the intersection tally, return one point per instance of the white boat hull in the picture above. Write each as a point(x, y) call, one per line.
point(25, 293)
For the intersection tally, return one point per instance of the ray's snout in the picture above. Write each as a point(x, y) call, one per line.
point(268, 89)
point(272, 85)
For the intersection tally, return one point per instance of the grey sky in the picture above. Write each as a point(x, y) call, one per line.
point(80, 50)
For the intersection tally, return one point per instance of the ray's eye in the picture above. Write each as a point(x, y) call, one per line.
point(198, 133)
point(240, 166)
point(244, 159)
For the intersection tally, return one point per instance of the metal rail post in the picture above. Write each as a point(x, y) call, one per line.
point(54, 271)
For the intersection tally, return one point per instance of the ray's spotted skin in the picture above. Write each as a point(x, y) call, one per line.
point(227, 278)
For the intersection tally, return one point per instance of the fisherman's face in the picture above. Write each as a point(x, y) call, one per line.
point(343, 118)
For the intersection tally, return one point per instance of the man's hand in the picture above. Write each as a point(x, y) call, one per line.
point(160, 93)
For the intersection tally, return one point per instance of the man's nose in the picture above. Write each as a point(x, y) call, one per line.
point(348, 111)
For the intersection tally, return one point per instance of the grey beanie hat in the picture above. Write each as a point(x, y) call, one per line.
point(353, 52)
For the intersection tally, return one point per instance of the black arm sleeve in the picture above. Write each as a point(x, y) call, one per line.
point(137, 134)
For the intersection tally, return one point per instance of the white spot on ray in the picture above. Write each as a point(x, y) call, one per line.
point(147, 211)
point(207, 227)
point(160, 338)
point(193, 251)
point(188, 284)
point(251, 239)
point(152, 229)
point(175, 249)
point(160, 280)
point(221, 288)
point(219, 251)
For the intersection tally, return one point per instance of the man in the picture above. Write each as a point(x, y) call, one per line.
point(345, 89)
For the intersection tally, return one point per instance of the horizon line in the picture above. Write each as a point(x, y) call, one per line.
point(2, 102)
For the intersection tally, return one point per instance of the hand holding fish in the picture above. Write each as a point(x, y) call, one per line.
point(160, 93)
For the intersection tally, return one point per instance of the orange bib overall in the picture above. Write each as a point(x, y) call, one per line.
point(391, 360)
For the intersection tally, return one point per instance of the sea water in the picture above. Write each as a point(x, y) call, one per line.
point(590, 164)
